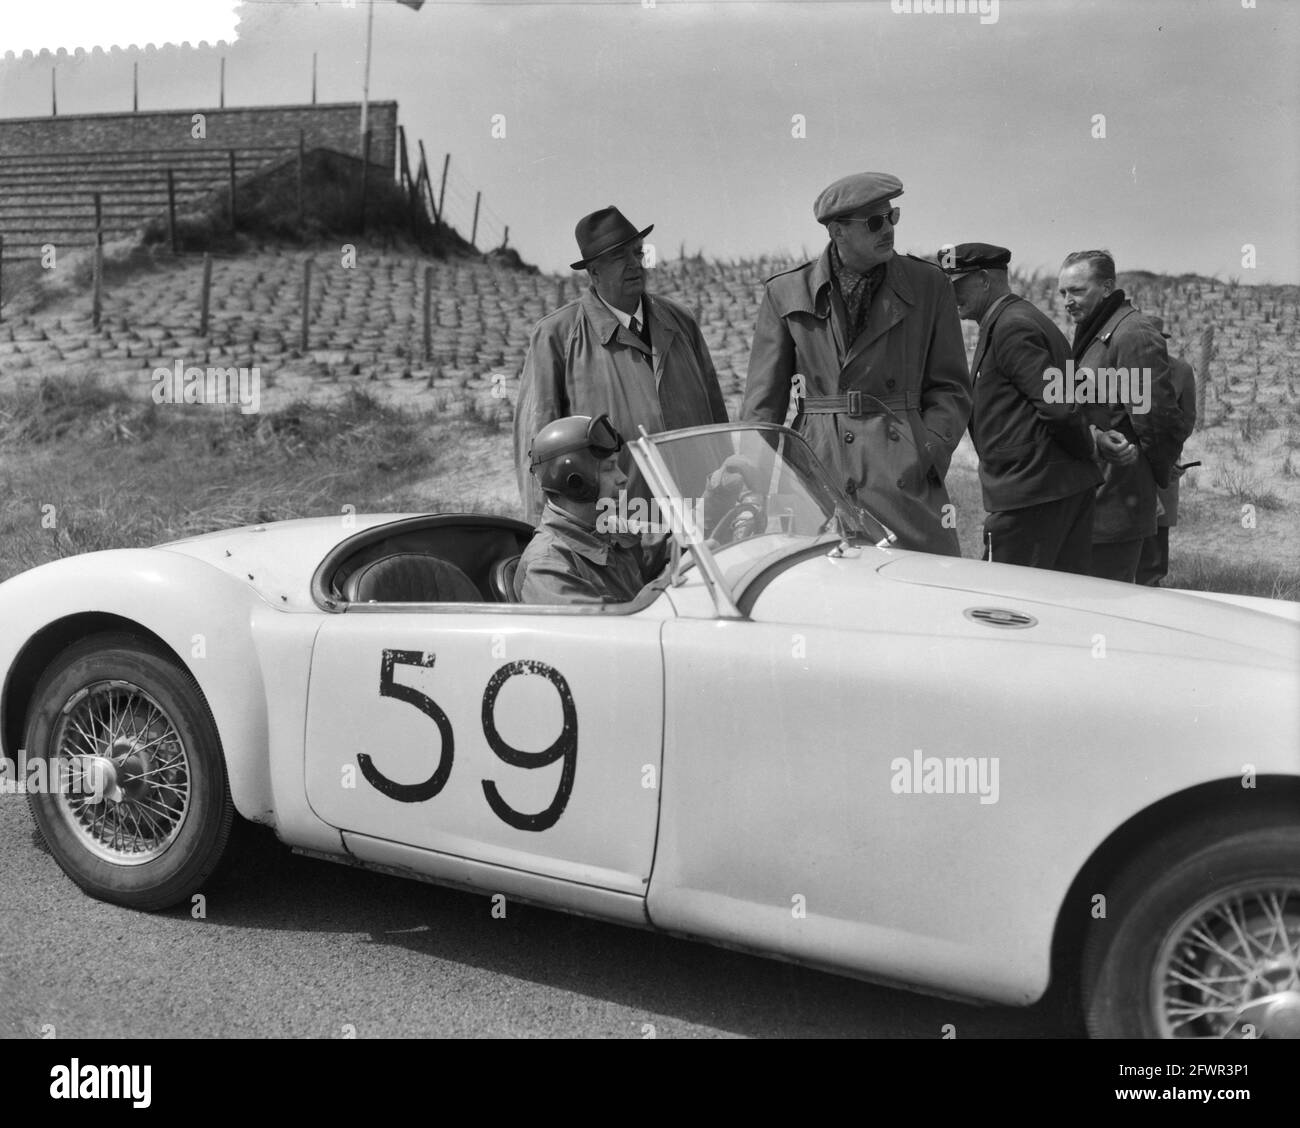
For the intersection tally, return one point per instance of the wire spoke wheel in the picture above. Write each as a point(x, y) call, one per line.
point(1231, 967)
point(138, 808)
point(124, 772)
point(1203, 936)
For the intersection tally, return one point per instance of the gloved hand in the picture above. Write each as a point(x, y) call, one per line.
point(723, 492)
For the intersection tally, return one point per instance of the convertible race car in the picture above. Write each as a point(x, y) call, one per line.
point(971, 779)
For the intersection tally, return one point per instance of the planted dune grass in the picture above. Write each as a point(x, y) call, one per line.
point(90, 466)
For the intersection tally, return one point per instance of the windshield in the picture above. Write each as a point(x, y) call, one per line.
point(756, 484)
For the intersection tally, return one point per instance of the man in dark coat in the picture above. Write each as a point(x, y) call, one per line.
point(1154, 563)
point(1120, 367)
point(616, 351)
point(1038, 471)
point(871, 343)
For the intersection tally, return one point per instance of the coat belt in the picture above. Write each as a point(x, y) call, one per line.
point(857, 404)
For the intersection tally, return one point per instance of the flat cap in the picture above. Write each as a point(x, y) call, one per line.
point(966, 257)
point(850, 193)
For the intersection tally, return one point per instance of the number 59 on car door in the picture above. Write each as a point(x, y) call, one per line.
point(502, 743)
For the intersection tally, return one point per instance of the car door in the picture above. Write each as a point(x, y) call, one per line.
point(527, 738)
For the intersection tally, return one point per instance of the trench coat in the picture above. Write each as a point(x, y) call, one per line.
point(581, 361)
point(1126, 499)
point(910, 355)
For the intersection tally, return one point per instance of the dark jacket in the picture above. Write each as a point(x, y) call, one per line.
point(581, 361)
point(1030, 451)
point(569, 562)
point(1126, 501)
point(910, 354)
point(1185, 387)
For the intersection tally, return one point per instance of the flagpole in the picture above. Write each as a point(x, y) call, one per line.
point(365, 88)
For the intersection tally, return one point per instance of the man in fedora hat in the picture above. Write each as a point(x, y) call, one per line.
point(617, 351)
point(870, 344)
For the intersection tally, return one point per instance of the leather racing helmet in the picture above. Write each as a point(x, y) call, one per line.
point(566, 455)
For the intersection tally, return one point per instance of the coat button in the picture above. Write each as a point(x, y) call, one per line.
point(893, 435)
point(900, 483)
point(849, 436)
point(890, 383)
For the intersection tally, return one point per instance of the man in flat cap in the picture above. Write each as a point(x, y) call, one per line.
point(1124, 358)
point(1153, 565)
point(1036, 452)
point(871, 345)
point(617, 351)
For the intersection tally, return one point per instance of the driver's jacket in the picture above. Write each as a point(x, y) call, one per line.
point(568, 561)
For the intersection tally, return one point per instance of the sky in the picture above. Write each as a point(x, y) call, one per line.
point(1167, 131)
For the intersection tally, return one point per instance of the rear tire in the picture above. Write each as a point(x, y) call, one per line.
point(136, 805)
point(1203, 937)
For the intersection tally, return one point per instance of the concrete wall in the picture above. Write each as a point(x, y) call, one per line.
point(334, 126)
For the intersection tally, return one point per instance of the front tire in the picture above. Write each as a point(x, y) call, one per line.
point(1203, 939)
point(134, 803)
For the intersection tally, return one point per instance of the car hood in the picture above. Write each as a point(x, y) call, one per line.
point(278, 559)
point(874, 589)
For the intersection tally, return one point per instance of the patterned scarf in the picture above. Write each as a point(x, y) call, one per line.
point(857, 290)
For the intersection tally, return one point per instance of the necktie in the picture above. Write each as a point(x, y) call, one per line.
point(642, 331)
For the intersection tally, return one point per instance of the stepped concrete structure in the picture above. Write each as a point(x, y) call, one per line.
point(51, 168)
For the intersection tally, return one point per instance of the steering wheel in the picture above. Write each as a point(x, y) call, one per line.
point(750, 503)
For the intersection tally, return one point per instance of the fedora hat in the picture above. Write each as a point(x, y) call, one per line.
point(602, 231)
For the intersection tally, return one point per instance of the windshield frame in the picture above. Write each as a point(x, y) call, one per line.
point(659, 478)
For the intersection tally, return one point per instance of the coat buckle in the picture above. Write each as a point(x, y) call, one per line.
point(854, 404)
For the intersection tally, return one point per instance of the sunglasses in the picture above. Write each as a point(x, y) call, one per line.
point(602, 439)
point(876, 222)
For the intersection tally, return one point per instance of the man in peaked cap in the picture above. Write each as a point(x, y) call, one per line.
point(618, 351)
point(1037, 468)
point(870, 344)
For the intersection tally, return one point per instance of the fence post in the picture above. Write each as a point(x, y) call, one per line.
point(505, 239)
point(54, 94)
point(403, 162)
point(442, 192)
point(97, 296)
point(171, 209)
point(473, 235)
point(205, 295)
point(1204, 385)
point(232, 189)
point(222, 103)
point(365, 178)
point(313, 78)
point(306, 302)
point(302, 158)
point(135, 88)
point(428, 313)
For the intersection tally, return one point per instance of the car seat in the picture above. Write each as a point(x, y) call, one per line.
point(410, 577)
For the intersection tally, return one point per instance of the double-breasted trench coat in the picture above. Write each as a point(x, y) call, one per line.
point(910, 357)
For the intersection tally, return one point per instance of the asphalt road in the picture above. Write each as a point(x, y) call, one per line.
point(293, 947)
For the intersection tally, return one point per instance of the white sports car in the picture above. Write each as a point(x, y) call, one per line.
point(966, 778)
